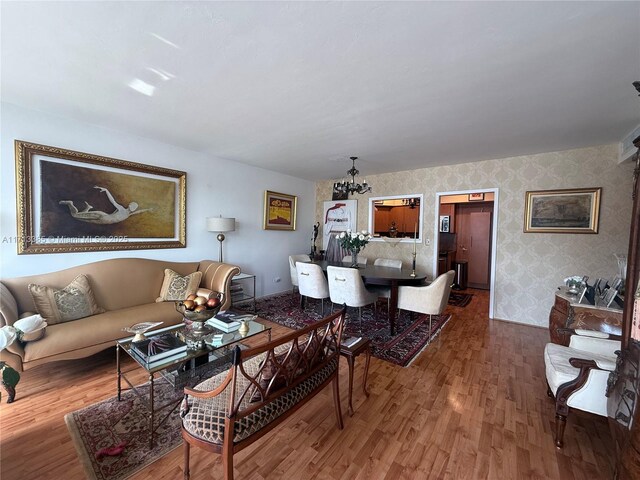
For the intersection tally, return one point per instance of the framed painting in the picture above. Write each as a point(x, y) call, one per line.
point(337, 217)
point(279, 211)
point(562, 211)
point(70, 201)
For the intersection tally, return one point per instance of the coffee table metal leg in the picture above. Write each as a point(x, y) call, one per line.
point(118, 370)
point(151, 411)
point(350, 363)
point(366, 372)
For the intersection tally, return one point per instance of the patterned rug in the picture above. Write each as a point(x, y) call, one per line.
point(401, 349)
point(111, 422)
point(460, 299)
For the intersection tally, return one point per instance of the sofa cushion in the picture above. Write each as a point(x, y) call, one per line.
point(8, 307)
point(72, 302)
point(205, 418)
point(98, 329)
point(176, 287)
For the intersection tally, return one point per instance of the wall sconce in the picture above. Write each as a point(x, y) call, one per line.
point(220, 225)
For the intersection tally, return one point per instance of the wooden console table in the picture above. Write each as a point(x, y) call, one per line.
point(565, 313)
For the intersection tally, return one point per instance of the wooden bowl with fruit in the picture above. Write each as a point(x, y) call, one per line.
point(199, 309)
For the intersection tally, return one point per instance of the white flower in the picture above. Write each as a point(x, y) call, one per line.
point(342, 235)
point(354, 235)
point(348, 230)
point(364, 232)
point(361, 237)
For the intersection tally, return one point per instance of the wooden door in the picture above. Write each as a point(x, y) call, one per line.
point(473, 224)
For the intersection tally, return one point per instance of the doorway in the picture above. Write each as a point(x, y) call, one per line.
point(466, 230)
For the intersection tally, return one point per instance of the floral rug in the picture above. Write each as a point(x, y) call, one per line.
point(401, 349)
point(112, 422)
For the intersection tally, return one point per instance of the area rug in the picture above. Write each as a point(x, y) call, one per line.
point(110, 422)
point(459, 299)
point(400, 349)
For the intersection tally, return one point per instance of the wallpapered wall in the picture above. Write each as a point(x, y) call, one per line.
point(528, 266)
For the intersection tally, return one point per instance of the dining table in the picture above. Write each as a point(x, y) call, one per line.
point(386, 276)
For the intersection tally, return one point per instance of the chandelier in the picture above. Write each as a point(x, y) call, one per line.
point(346, 186)
point(411, 202)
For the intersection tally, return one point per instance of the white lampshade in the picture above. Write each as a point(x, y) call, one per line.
point(219, 224)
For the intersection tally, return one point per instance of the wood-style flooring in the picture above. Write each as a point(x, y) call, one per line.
point(472, 405)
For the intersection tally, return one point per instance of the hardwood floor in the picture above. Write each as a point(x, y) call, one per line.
point(472, 405)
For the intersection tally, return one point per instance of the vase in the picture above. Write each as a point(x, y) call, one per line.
point(354, 259)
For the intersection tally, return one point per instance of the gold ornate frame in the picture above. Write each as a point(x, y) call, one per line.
point(594, 211)
point(270, 196)
point(29, 241)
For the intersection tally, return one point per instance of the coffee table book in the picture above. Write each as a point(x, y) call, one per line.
point(228, 321)
point(159, 347)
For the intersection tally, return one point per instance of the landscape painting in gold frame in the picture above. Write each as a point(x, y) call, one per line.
point(70, 201)
point(279, 211)
point(562, 211)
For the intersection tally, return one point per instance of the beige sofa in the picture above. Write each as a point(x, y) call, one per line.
point(126, 288)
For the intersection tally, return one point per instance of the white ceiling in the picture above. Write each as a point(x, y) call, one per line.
point(299, 87)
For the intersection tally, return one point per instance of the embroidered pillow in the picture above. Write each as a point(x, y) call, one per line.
point(72, 302)
point(175, 287)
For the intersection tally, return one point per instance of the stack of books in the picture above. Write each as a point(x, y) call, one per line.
point(237, 292)
point(159, 347)
point(229, 321)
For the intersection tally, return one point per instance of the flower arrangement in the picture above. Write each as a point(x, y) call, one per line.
point(353, 241)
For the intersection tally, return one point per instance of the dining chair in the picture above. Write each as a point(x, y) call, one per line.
point(429, 299)
point(293, 259)
point(577, 375)
point(381, 290)
point(346, 287)
point(361, 260)
point(312, 283)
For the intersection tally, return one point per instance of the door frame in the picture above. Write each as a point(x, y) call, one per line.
point(494, 236)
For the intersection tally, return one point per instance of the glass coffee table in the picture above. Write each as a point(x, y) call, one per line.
point(187, 368)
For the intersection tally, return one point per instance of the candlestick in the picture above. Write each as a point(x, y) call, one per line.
point(413, 265)
point(415, 237)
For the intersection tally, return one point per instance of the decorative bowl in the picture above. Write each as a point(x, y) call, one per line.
point(202, 316)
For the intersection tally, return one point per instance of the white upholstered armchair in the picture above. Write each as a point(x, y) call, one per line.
point(577, 375)
point(346, 287)
point(293, 259)
point(312, 283)
point(431, 299)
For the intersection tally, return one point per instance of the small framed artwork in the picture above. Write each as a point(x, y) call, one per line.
point(476, 197)
point(72, 201)
point(444, 223)
point(562, 211)
point(279, 211)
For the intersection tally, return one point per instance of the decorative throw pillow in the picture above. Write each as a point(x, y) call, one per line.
point(175, 287)
point(74, 301)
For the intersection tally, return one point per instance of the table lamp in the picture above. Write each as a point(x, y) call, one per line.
point(220, 225)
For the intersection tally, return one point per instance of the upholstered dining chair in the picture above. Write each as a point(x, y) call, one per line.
point(381, 290)
point(293, 259)
point(346, 287)
point(312, 283)
point(361, 260)
point(430, 299)
point(577, 375)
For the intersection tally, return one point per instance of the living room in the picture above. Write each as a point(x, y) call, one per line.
point(434, 99)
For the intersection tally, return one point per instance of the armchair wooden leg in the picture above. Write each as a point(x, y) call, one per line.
point(561, 421)
point(227, 461)
point(186, 459)
point(336, 401)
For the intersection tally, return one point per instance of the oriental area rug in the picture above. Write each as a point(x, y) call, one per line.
point(401, 349)
point(111, 422)
point(460, 299)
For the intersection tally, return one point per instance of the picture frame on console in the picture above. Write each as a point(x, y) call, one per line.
point(562, 211)
point(70, 201)
point(279, 211)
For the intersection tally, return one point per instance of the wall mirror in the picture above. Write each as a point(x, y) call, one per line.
point(396, 218)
